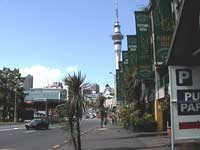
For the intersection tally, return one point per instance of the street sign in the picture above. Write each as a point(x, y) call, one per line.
point(185, 101)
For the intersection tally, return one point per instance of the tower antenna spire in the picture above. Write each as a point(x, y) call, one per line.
point(116, 11)
point(117, 36)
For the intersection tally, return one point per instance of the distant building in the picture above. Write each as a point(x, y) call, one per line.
point(92, 92)
point(43, 101)
point(28, 82)
point(45, 94)
point(95, 88)
point(109, 93)
point(56, 85)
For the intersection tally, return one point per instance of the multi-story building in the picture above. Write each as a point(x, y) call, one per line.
point(28, 82)
point(44, 100)
point(95, 88)
point(149, 49)
point(108, 93)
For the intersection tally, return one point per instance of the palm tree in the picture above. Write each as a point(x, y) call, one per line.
point(76, 104)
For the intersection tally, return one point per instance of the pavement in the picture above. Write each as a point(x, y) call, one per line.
point(117, 138)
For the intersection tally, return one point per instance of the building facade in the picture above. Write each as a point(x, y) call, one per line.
point(28, 82)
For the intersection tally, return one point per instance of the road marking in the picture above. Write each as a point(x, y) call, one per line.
point(29, 131)
point(65, 141)
point(102, 129)
point(7, 149)
point(10, 129)
point(56, 146)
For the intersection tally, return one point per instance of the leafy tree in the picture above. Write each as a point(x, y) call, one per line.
point(76, 104)
point(100, 104)
point(131, 88)
point(62, 110)
point(11, 87)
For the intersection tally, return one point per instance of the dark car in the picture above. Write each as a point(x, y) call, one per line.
point(37, 124)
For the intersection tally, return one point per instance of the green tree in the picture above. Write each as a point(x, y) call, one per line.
point(100, 105)
point(131, 88)
point(76, 104)
point(11, 87)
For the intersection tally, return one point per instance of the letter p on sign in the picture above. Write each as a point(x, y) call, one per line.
point(184, 77)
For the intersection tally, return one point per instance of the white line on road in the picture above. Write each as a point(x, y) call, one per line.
point(29, 131)
point(56, 146)
point(10, 129)
point(7, 149)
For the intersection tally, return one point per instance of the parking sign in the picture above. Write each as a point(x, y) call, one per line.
point(184, 91)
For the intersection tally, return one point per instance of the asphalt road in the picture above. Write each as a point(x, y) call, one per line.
point(18, 138)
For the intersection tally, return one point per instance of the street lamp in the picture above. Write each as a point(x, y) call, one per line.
point(115, 88)
point(15, 106)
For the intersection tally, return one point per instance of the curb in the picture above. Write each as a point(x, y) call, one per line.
point(149, 134)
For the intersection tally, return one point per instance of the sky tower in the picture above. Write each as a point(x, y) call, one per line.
point(117, 37)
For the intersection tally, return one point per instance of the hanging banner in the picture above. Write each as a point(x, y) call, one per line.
point(163, 28)
point(125, 57)
point(119, 80)
point(144, 51)
point(132, 50)
point(185, 101)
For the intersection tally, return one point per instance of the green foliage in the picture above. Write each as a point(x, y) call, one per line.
point(11, 87)
point(143, 123)
point(124, 116)
point(103, 112)
point(76, 105)
point(131, 117)
point(131, 87)
point(62, 110)
point(165, 103)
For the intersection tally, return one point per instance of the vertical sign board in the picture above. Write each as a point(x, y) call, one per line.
point(125, 61)
point(144, 54)
point(163, 28)
point(185, 101)
point(119, 82)
point(132, 50)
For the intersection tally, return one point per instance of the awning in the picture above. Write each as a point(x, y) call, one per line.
point(185, 45)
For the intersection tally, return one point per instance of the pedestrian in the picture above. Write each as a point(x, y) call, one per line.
point(113, 118)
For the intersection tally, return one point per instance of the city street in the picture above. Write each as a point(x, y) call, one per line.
point(16, 137)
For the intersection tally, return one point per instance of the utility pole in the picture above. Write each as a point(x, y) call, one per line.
point(15, 107)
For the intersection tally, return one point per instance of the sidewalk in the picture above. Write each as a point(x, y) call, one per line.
point(118, 138)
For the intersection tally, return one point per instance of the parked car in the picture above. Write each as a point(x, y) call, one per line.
point(90, 115)
point(38, 123)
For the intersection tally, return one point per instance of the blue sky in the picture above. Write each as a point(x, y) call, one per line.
point(50, 38)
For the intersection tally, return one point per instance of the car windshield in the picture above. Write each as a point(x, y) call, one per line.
point(35, 120)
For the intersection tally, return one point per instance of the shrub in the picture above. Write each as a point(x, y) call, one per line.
point(144, 123)
point(124, 116)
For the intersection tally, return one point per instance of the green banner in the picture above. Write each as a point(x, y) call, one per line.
point(144, 50)
point(132, 43)
point(163, 28)
point(119, 80)
point(125, 57)
point(132, 50)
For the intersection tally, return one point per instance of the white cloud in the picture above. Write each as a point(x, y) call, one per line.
point(72, 69)
point(43, 75)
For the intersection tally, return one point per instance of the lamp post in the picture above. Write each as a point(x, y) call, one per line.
point(115, 90)
point(15, 107)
